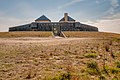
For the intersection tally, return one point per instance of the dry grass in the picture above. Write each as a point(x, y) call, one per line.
point(57, 59)
point(25, 34)
point(91, 34)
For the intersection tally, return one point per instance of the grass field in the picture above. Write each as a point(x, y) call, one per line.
point(91, 34)
point(25, 34)
point(79, 58)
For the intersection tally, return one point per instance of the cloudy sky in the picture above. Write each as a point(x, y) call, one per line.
point(105, 14)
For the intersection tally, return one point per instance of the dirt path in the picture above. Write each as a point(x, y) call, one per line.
point(36, 40)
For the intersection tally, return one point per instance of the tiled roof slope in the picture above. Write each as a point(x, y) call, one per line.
point(69, 19)
point(43, 18)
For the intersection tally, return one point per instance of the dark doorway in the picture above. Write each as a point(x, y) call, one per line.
point(56, 30)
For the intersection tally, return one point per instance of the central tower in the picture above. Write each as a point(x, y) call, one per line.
point(67, 19)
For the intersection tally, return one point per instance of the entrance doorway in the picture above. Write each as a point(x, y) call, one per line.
point(56, 30)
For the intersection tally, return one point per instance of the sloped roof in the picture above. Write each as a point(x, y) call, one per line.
point(69, 19)
point(43, 18)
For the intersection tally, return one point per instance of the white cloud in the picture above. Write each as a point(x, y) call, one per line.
point(98, 1)
point(29, 14)
point(113, 16)
point(107, 25)
point(9, 21)
point(70, 3)
point(110, 23)
point(114, 4)
point(26, 10)
point(23, 9)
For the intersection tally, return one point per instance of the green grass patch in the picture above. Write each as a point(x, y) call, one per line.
point(64, 76)
point(93, 69)
point(112, 70)
point(90, 55)
point(92, 65)
point(116, 39)
point(118, 64)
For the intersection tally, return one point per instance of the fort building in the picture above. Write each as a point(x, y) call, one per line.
point(44, 24)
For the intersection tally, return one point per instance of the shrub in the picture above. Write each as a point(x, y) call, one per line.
point(107, 47)
point(83, 77)
point(112, 54)
point(65, 76)
point(67, 52)
point(90, 55)
point(92, 65)
point(93, 68)
point(102, 77)
point(115, 71)
point(92, 72)
point(118, 64)
point(112, 70)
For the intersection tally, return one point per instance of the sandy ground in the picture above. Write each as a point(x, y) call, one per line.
point(37, 58)
point(37, 40)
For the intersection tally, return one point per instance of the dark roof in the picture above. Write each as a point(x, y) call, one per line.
point(43, 18)
point(69, 19)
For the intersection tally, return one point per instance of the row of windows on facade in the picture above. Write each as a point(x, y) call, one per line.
point(52, 24)
point(42, 28)
point(45, 27)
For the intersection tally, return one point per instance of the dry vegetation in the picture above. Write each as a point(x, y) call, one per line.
point(25, 34)
point(60, 59)
point(91, 34)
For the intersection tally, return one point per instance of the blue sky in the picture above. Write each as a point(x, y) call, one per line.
point(105, 14)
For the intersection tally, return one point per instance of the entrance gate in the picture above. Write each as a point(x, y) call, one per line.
point(56, 30)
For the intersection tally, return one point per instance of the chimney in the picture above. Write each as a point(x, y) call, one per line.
point(66, 17)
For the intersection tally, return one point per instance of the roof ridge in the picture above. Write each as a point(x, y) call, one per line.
point(69, 19)
point(43, 18)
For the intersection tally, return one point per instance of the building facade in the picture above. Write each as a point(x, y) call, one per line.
point(44, 24)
